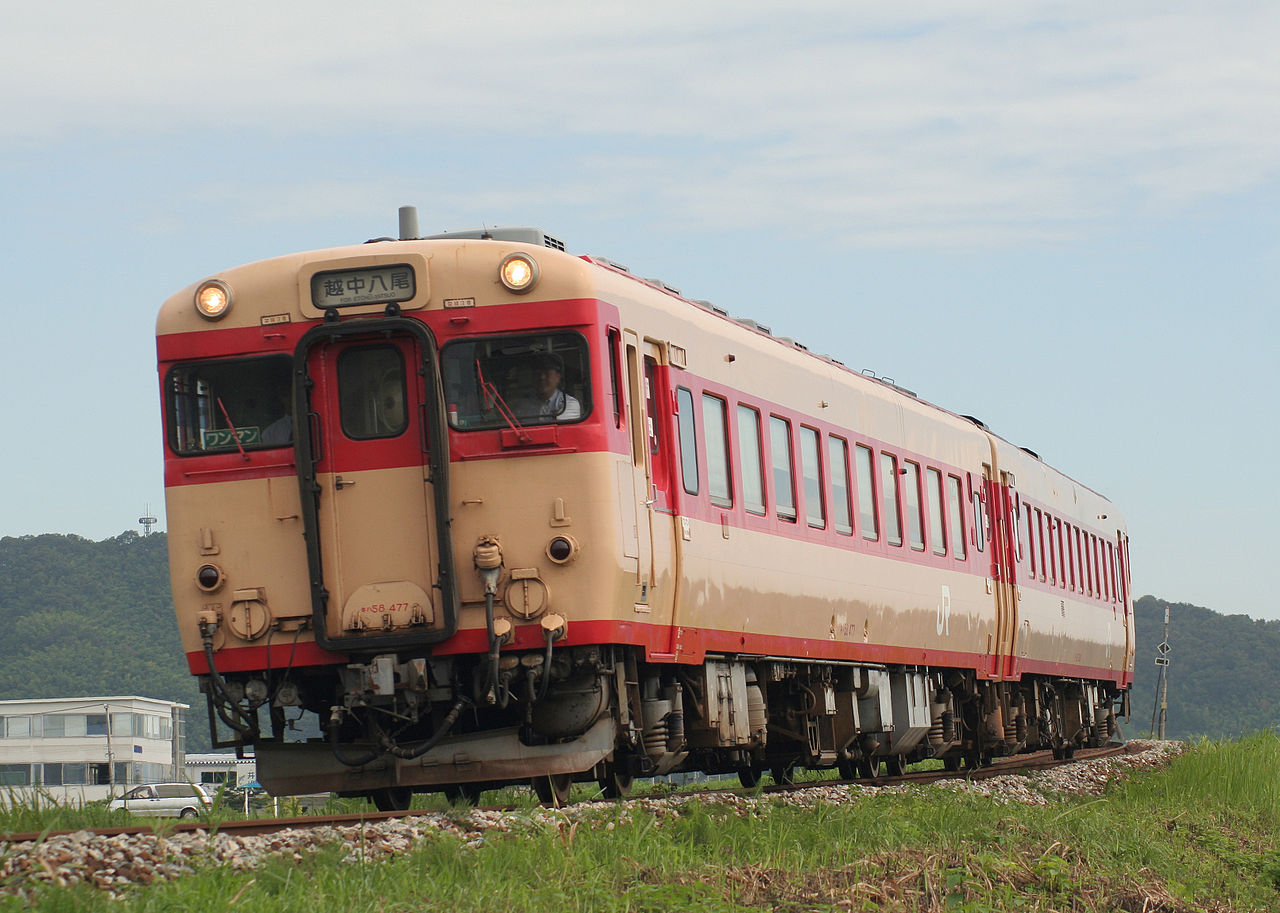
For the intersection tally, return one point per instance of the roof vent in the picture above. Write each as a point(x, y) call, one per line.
point(605, 261)
point(518, 234)
point(791, 342)
point(704, 303)
point(752, 325)
point(977, 421)
point(662, 286)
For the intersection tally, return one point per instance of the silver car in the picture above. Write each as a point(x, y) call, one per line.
point(165, 800)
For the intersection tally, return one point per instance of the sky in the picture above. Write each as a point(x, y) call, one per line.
point(1063, 218)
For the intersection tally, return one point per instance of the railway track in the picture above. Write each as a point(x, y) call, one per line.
point(260, 826)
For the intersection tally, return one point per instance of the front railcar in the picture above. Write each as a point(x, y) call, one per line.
point(385, 528)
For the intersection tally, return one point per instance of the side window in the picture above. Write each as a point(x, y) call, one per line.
point(615, 375)
point(1039, 534)
point(867, 514)
point(1053, 555)
point(838, 472)
point(784, 475)
point(1071, 557)
point(815, 509)
point(688, 441)
point(889, 495)
point(532, 379)
point(933, 494)
point(750, 451)
point(715, 428)
point(1031, 541)
point(1062, 555)
point(955, 501)
point(911, 497)
point(979, 520)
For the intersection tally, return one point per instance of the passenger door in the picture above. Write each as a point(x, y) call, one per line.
point(374, 524)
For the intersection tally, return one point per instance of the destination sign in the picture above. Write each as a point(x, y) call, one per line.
point(372, 285)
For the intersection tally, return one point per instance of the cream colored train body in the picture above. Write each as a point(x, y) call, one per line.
point(481, 511)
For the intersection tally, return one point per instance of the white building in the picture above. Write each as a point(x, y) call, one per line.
point(214, 770)
point(78, 750)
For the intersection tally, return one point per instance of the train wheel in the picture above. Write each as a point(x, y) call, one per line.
point(784, 774)
point(749, 776)
point(552, 790)
point(895, 765)
point(463, 794)
point(848, 768)
point(392, 799)
point(613, 784)
point(951, 763)
point(868, 768)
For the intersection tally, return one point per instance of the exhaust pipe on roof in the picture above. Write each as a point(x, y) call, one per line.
point(409, 223)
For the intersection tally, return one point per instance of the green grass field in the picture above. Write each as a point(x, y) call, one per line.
point(1200, 834)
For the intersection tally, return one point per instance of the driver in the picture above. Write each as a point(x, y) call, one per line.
point(549, 401)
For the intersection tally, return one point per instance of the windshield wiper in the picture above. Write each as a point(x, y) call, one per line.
point(235, 434)
point(493, 399)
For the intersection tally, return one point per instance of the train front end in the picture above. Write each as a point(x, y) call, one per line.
point(392, 476)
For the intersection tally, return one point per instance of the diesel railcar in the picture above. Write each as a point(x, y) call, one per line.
point(459, 511)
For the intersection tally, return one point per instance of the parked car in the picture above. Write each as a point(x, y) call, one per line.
point(165, 800)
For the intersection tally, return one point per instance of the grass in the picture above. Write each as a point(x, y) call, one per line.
point(1198, 835)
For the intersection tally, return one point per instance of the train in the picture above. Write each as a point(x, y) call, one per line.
point(454, 512)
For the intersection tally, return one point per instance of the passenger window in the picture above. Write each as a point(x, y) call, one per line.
point(955, 500)
point(714, 428)
point(1031, 541)
point(815, 510)
point(889, 496)
point(838, 470)
point(784, 476)
point(911, 497)
point(688, 441)
point(371, 392)
point(615, 375)
point(1039, 536)
point(933, 493)
point(1052, 560)
point(750, 451)
point(979, 521)
point(1062, 556)
point(867, 513)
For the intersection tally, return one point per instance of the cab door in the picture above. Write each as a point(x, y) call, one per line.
point(377, 529)
point(655, 517)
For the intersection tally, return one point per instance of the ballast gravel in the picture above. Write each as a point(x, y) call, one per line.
point(113, 864)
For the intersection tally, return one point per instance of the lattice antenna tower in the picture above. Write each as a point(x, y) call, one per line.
point(147, 520)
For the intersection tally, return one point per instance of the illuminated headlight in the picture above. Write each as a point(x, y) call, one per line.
point(518, 272)
point(213, 299)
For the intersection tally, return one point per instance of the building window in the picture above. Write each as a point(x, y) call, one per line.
point(933, 494)
point(868, 517)
point(784, 474)
point(715, 427)
point(889, 496)
point(838, 470)
point(750, 451)
point(15, 774)
point(815, 510)
point(688, 441)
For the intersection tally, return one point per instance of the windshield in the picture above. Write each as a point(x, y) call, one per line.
point(229, 405)
point(526, 380)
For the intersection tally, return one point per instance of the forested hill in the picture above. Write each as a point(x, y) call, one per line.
point(95, 618)
point(82, 618)
point(1224, 671)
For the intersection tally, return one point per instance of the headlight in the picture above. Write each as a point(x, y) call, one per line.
point(213, 299)
point(518, 272)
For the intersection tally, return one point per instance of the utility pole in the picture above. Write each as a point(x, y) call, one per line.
point(111, 761)
point(1161, 710)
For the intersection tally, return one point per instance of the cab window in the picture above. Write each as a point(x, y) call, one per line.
point(228, 405)
point(371, 392)
point(541, 378)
